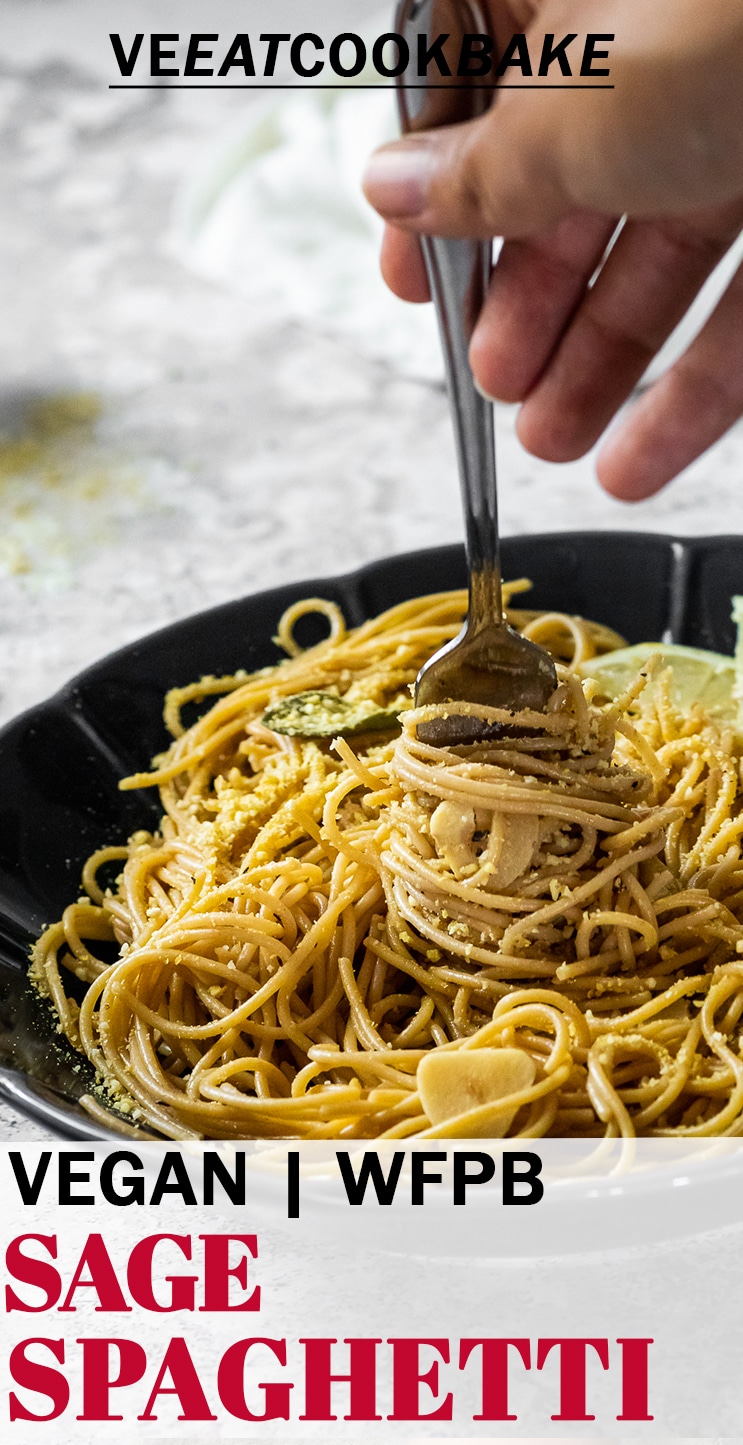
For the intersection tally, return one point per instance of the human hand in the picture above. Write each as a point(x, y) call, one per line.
point(553, 171)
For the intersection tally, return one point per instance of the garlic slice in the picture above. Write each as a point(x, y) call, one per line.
point(459, 1085)
point(452, 828)
point(519, 837)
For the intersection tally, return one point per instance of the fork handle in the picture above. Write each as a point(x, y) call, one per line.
point(458, 273)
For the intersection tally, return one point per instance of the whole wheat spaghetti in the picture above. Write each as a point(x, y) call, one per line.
point(536, 935)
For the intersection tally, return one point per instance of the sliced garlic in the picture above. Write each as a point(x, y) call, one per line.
point(518, 838)
point(459, 1085)
point(452, 828)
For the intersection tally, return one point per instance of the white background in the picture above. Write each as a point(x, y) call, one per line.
point(438, 1271)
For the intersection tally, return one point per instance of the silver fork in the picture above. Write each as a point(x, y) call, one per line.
point(488, 662)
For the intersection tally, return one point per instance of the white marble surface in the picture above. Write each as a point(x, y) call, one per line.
point(229, 455)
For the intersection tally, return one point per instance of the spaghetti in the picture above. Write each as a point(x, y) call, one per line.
point(541, 934)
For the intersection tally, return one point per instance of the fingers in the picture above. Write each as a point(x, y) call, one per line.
point(666, 138)
point(534, 291)
point(688, 410)
point(648, 282)
point(403, 267)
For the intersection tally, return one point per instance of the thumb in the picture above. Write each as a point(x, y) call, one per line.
point(496, 176)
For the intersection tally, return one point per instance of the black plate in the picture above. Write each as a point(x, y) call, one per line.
point(60, 763)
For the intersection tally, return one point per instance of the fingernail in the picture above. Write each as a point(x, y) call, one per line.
point(396, 181)
point(483, 393)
